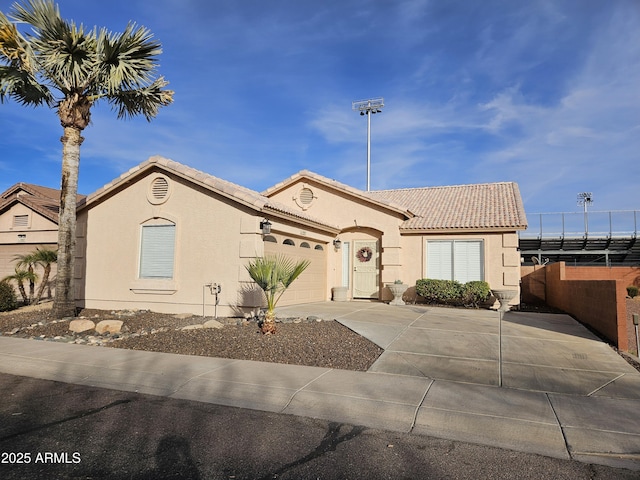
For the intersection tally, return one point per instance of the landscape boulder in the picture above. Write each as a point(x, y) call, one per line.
point(110, 326)
point(212, 324)
point(81, 325)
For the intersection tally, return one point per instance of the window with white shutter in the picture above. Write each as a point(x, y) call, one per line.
point(467, 261)
point(460, 260)
point(157, 251)
point(439, 260)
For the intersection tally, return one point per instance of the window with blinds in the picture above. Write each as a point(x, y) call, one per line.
point(460, 260)
point(157, 251)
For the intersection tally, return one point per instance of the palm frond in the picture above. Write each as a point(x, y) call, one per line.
point(262, 271)
point(23, 88)
point(274, 274)
point(295, 272)
point(142, 101)
point(127, 59)
point(70, 60)
point(14, 48)
point(21, 276)
point(83, 65)
point(44, 256)
point(66, 52)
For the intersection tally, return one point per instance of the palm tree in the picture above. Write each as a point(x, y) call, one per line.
point(27, 260)
point(69, 67)
point(45, 258)
point(20, 277)
point(274, 274)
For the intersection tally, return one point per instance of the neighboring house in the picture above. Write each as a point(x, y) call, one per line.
point(28, 220)
point(159, 235)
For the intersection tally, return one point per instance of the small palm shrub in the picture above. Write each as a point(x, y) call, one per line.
point(8, 299)
point(274, 274)
point(632, 291)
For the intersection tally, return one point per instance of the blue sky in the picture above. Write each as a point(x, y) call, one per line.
point(543, 93)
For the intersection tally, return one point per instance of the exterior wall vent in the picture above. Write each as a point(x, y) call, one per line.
point(159, 190)
point(304, 197)
point(20, 221)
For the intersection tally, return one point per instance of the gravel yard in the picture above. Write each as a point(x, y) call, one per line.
point(308, 342)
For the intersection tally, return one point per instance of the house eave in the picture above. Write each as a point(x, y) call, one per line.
point(268, 211)
point(454, 231)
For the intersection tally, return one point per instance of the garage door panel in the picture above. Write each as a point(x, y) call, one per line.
point(310, 286)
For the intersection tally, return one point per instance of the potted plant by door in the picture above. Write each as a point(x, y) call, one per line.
point(397, 289)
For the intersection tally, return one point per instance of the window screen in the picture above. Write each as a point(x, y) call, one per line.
point(157, 251)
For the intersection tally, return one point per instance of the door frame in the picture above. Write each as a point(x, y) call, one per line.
point(352, 269)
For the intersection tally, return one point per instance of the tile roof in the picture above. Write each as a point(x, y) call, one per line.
point(43, 200)
point(228, 189)
point(460, 207)
point(384, 202)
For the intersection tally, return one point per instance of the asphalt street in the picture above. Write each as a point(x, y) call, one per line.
point(52, 430)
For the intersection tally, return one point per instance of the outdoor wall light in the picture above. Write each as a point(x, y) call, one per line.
point(337, 243)
point(265, 226)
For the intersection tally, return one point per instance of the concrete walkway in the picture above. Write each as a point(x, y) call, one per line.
point(537, 383)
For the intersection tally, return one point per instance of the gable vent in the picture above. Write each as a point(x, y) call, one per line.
point(160, 188)
point(21, 220)
point(306, 196)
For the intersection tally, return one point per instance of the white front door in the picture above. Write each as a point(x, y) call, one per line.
point(365, 269)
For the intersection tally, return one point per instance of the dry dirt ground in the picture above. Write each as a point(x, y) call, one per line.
point(298, 341)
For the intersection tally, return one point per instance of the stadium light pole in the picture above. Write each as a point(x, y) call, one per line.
point(368, 107)
point(584, 200)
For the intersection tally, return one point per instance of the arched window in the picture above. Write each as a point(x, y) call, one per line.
point(270, 238)
point(305, 245)
point(288, 241)
point(318, 247)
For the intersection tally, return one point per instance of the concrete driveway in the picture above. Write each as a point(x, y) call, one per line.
point(532, 381)
point(528, 351)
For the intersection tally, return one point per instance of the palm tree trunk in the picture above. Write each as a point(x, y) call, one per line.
point(32, 284)
point(45, 281)
point(269, 323)
point(23, 293)
point(64, 304)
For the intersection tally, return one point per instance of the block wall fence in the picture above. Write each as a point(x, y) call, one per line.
point(596, 296)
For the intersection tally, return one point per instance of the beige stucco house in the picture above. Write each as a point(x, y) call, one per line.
point(163, 235)
point(28, 220)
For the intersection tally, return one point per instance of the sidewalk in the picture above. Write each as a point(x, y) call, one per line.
point(564, 394)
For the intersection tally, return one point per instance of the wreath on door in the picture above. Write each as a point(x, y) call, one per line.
point(364, 254)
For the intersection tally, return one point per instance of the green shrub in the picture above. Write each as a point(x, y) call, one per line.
point(451, 292)
point(8, 299)
point(475, 292)
point(440, 291)
point(632, 291)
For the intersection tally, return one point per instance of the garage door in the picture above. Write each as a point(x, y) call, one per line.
point(311, 284)
point(9, 252)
